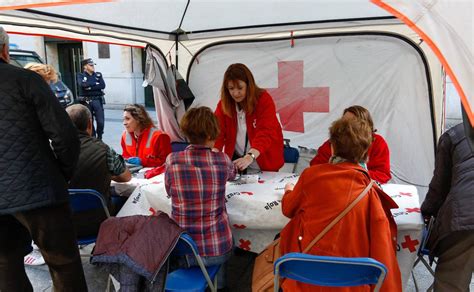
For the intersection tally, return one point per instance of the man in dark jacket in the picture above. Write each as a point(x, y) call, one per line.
point(38, 152)
point(91, 93)
point(450, 199)
point(98, 164)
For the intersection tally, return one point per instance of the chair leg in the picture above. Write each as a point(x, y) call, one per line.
point(428, 267)
point(414, 281)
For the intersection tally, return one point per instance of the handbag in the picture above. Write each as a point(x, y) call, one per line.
point(262, 277)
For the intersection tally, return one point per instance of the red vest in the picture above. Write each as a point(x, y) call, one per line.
point(152, 146)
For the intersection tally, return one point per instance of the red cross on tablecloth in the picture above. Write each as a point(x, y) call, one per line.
point(292, 99)
point(412, 210)
point(405, 194)
point(244, 244)
point(410, 244)
point(152, 211)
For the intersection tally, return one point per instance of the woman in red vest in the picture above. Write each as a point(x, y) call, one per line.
point(250, 133)
point(378, 162)
point(323, 191)
point(142, 143)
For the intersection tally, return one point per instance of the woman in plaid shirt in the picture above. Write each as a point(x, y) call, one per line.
point(195, 179)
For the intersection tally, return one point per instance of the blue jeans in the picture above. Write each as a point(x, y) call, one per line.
point(188, 261)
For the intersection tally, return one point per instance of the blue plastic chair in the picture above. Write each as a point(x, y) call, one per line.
point(84, 200)
point(194, 278)
point(329, 271)
point(178, 146)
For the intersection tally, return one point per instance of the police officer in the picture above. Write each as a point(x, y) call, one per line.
point(91, 93)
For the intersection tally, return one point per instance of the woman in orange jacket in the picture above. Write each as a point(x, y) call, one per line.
point(142, 143)
point(250, 133)
point(324, 191)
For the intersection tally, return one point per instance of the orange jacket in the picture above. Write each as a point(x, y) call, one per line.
point(152, 146)
point(368, 230)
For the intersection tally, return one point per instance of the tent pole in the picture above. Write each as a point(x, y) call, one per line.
point(176, 44)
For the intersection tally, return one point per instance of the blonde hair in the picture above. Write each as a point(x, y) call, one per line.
point(46, 71)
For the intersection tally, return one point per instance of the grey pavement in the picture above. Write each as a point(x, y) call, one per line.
point(97, 278)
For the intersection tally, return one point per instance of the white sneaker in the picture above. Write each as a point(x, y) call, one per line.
point(34, 259)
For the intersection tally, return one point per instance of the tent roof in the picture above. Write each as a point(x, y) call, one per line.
point(164, 16)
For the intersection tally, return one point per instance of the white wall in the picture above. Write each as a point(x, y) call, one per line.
point(29, 43)
point(122, 73)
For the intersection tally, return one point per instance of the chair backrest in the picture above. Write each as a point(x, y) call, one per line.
point(87, 199)
point(330, 271)
point(185, 246)
point(178, 146)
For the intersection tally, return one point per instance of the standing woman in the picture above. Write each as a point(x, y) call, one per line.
point(44, 70)
point(250, 133)
point(142, 143)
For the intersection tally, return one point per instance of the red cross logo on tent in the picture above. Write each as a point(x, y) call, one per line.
point(292, 99)
point(410, 244)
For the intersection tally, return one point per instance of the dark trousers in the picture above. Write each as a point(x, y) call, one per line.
point(97, 110)
point(455, 262)
point(52, 230)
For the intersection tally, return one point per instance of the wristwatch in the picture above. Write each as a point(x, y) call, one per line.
point(252, 155)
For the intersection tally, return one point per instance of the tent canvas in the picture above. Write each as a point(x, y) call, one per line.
point(161, 24)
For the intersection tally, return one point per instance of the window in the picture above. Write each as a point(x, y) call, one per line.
point(104, 51)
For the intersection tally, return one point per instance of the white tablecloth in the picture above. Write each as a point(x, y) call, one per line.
point(255, 211)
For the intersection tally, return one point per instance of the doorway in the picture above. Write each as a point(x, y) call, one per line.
point(69, 57)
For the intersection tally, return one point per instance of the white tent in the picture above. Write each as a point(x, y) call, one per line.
point(315, 57)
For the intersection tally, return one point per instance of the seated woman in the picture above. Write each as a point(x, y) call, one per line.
point(195, 179)
point(249, 129)
point(142, 143)
point(378, 161)
point(324, 191)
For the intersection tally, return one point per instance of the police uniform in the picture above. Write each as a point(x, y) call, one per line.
point(91, 93)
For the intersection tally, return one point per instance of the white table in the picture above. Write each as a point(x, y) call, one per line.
point(255, 211)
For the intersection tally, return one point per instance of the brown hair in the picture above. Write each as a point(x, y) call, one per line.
point(139, 113)
point(351, 139)
point(199, 125)
point(234, 73)
point(46, 71)
point(361, 113)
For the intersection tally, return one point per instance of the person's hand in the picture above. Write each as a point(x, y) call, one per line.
point(134, 160)
point(215, 150)
point(289, 187)
point(243, 162)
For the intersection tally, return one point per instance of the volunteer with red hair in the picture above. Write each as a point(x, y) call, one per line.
point(250, 133)
point(142, 143)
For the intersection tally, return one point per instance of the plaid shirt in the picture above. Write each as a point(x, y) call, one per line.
point(195, 179)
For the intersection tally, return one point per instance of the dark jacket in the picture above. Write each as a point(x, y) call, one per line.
point(92, 171)
point(450, 197)
point(33, 174)
point(90, 85)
